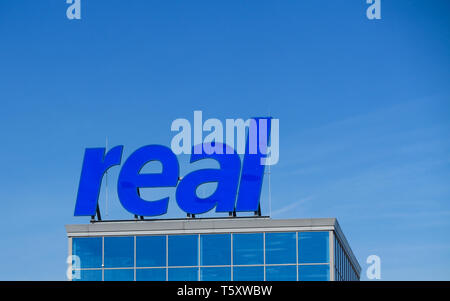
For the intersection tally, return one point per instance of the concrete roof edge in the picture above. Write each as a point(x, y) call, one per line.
point(197, 223)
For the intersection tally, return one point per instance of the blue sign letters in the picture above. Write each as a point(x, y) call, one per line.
point(95, 164)
point(236, 190)
point(130, 179)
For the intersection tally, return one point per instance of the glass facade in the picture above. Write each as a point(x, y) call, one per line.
point(271, 256)
point(343, 269)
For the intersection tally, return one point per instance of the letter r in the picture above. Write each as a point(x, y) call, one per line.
point(95, 164)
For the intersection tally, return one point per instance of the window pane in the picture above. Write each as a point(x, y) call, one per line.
point(88, 275)
point(248, 248)
point(314, 272)
point(151, 274)
point(313, 247)
point(248, 273)
point(215, 274)
point(281, 248)
point(119, 275)
point(183, 274)
point(215, 249)
point(119, 252)
point(281, 273)
point(89, 250)
point(183, 250)
point(150, 251)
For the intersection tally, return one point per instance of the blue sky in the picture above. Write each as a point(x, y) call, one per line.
point(363, 106)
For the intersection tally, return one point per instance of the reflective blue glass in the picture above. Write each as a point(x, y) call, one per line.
point(215, 249)
point(281, 273)
point(255, 273)
point(89, 250)
point(150, 251)
point(281, 248)
point(119, 275)
point(313, 247)
point(89, 275)
point(151, 274)
point(248, 248)
point(119, 252)
point(183, 250)
point(314, 272)
point(215, 274)
point(183, 274)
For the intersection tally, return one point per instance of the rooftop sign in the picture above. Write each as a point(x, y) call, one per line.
point(238, 184)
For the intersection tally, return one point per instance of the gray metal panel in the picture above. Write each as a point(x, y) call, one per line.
point(201, 225)
point(332, 259)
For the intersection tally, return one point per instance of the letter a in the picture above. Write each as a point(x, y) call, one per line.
point(374, 10)
point(73, 11)
point(374, 270)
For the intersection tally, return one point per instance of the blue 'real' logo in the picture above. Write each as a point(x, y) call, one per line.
point(238, 187)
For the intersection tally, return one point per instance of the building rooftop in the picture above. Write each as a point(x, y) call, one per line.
point(211, 225)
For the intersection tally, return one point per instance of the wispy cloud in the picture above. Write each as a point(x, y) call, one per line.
point(291, 206)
